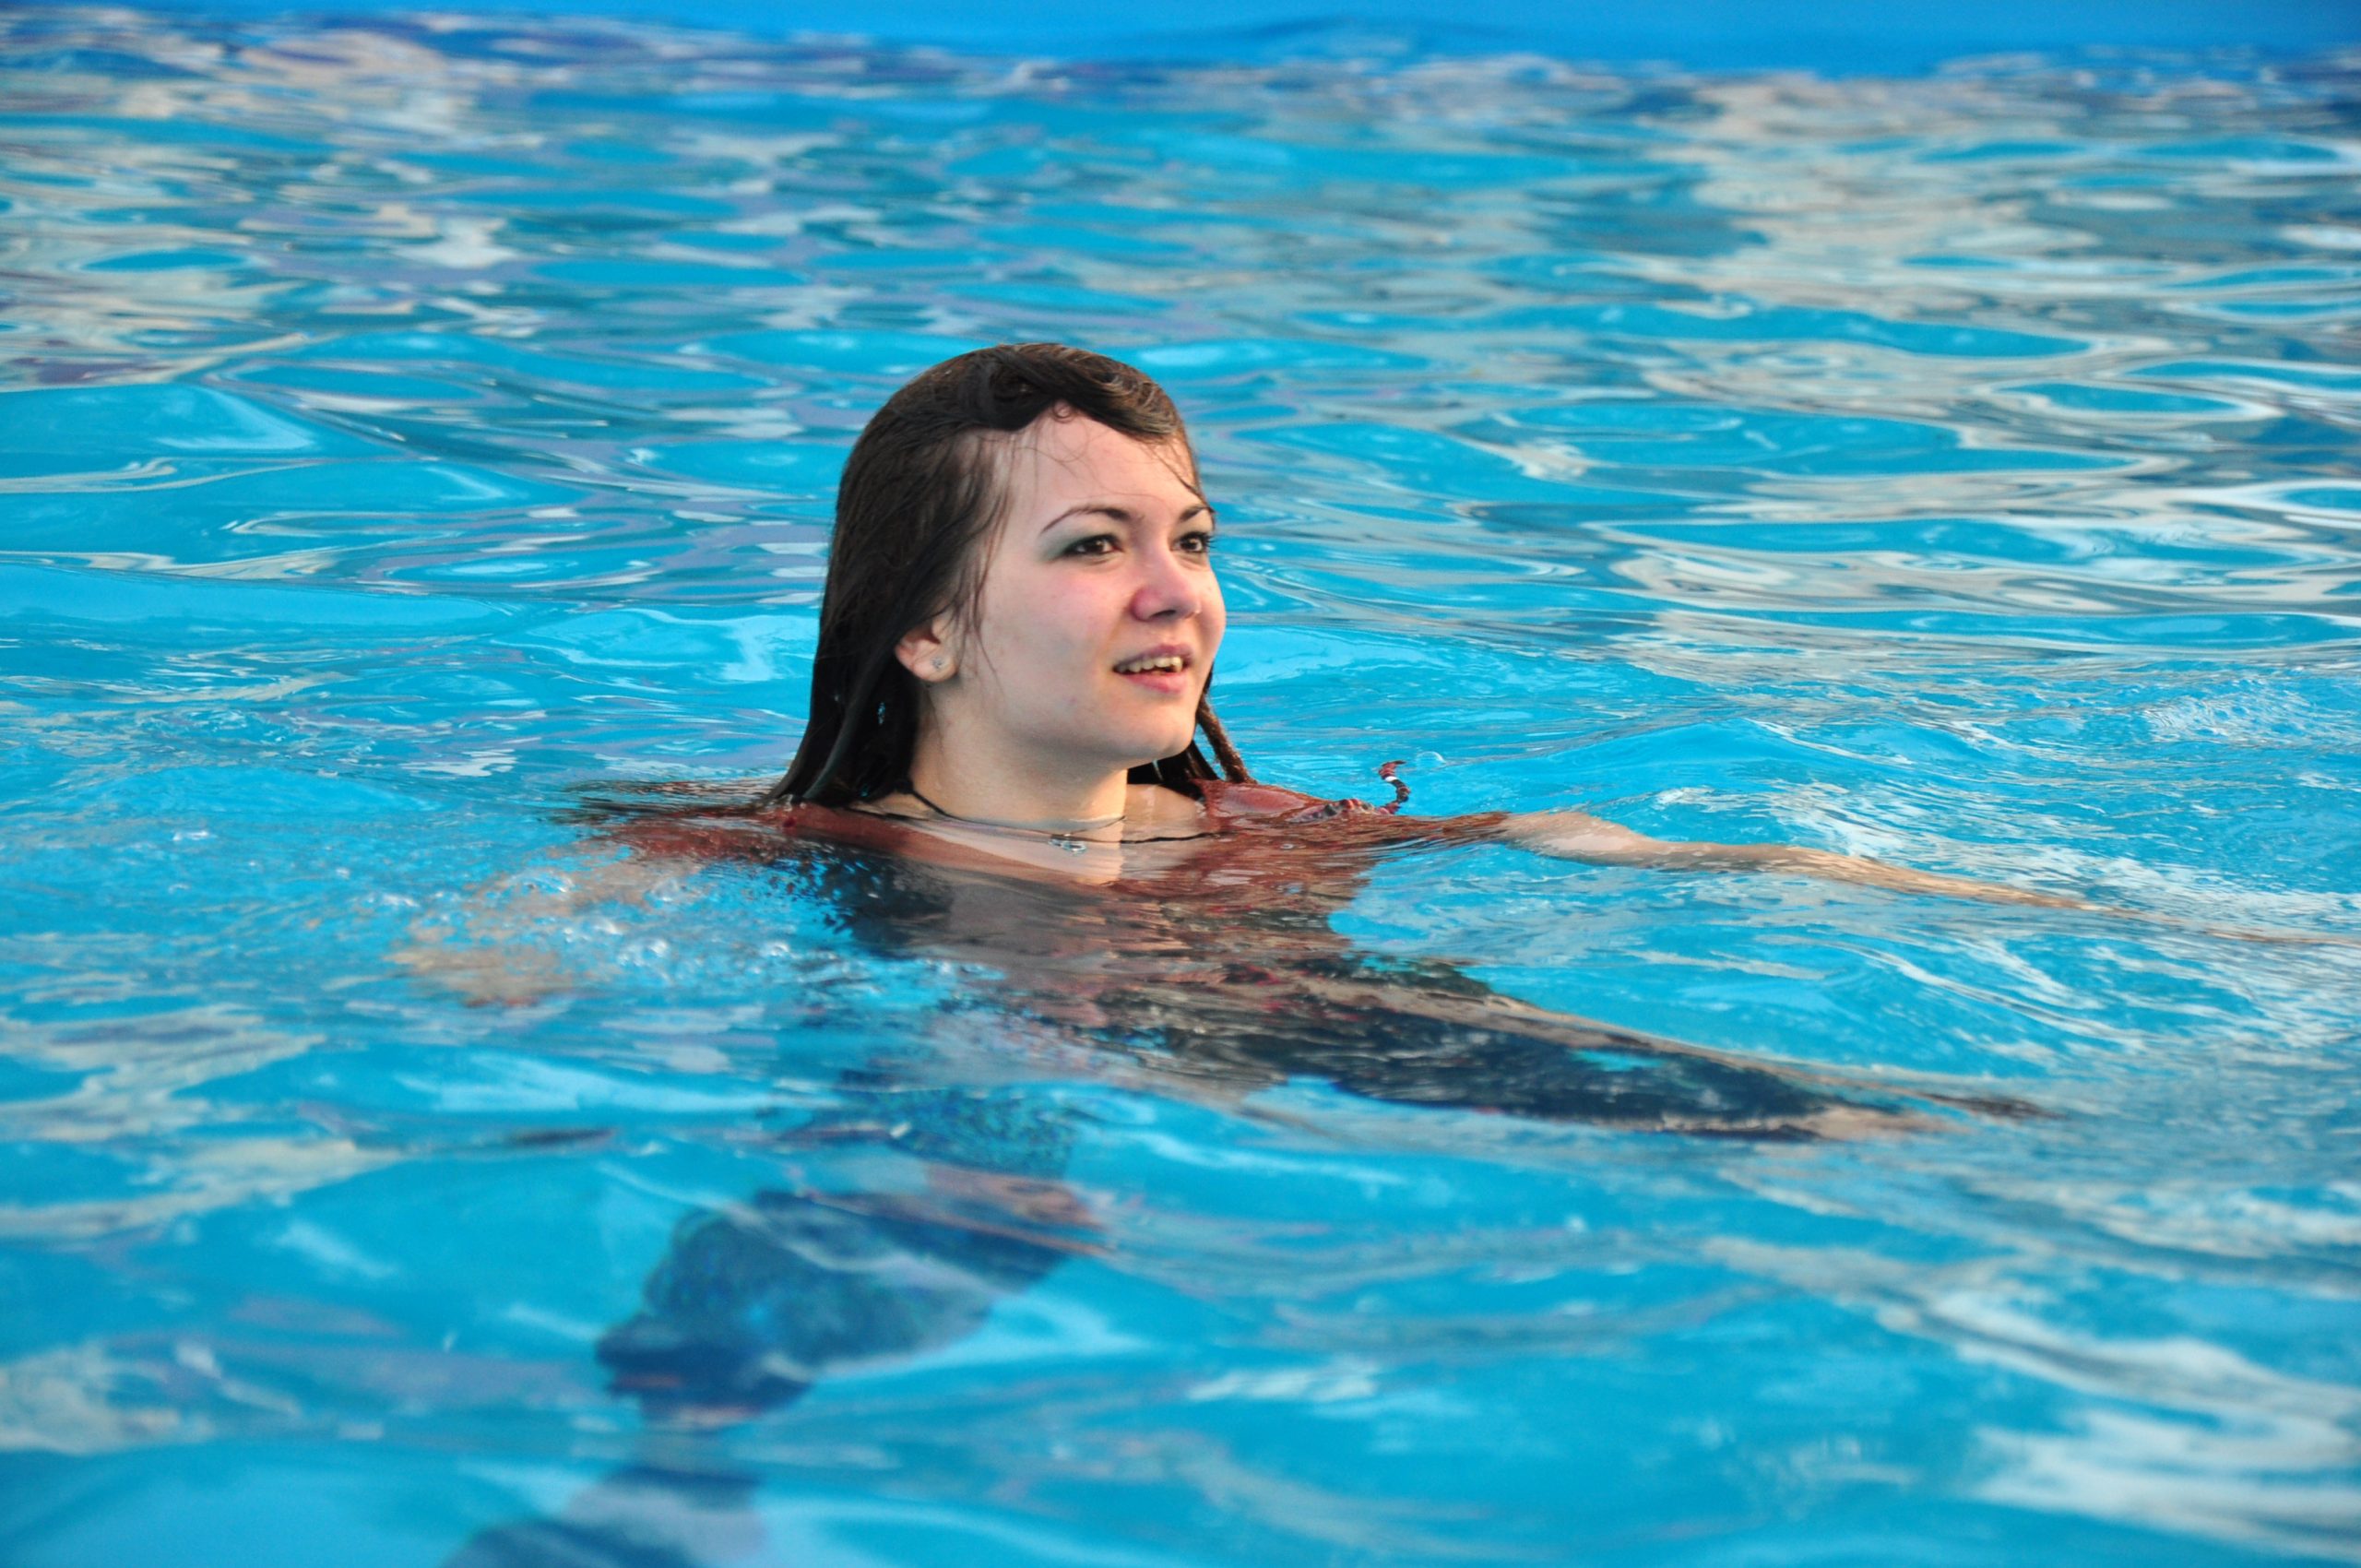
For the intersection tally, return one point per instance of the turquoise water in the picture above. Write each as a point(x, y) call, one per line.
point(405, 424)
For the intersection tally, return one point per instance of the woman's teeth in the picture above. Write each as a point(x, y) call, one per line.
point(1170, 662)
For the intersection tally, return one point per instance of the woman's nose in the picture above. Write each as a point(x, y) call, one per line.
point(1169, 589)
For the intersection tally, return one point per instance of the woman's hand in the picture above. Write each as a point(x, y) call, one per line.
point(1577, 836)
point(486, 952)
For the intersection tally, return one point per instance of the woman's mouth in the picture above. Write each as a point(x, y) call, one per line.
point(1163, 669)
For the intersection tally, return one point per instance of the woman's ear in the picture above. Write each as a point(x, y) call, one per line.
point(926, 652)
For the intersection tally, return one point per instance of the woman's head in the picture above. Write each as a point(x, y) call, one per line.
point(920, 510)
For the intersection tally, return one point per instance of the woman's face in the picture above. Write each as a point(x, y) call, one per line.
point(1099, 616)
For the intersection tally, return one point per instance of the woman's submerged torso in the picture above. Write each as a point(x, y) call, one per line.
point(1211, 954)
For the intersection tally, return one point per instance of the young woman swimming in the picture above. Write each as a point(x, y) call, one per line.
point(1007, 766)
point(1012, 764)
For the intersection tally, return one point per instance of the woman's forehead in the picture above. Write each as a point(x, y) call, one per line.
point(1062, 459)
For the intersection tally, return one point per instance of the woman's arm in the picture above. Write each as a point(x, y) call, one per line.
point(1577, 836)
point(489, 950)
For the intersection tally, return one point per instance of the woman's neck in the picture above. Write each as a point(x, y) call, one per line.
point(1004, 790)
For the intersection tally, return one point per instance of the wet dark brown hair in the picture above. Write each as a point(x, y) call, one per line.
point(919, 491)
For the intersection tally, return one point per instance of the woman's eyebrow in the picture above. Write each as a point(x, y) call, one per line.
point(1092, 509)
point(1116, 513)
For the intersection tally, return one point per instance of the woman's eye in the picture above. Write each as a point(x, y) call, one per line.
point(1097, 544)
point(1198, 542)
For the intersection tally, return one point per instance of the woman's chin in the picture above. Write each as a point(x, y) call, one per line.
point(1154, 750)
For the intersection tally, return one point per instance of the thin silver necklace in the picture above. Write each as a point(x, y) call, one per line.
point(1065, 836)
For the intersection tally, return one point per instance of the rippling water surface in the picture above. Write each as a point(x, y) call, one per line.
point(405, 422)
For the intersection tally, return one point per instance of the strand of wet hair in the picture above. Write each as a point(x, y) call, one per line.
point(1233, 766)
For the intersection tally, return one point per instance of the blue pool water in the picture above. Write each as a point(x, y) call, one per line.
point(405, 424)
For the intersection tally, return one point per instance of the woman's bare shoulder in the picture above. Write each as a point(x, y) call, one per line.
point(1255, 804)
point(750, 831)
point(1229, 801)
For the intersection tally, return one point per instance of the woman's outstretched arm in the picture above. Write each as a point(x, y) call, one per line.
point(491, 949)
point(1577, 836)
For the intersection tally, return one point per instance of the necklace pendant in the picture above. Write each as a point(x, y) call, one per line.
point(1070, 846)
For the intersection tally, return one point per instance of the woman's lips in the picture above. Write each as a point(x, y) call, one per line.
point(1161, 680)
point(1159, 669)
